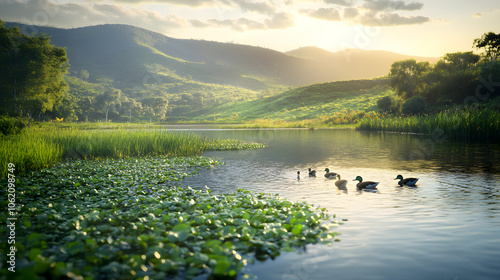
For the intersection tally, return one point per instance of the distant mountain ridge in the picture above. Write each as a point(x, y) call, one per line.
point(352, 64)
point(128, 57)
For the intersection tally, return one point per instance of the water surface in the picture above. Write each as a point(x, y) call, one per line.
point(448, 227)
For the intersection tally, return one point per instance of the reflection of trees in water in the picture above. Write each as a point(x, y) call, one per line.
point(413, 151)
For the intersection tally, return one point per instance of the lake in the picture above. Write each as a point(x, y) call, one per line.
point(448, 227)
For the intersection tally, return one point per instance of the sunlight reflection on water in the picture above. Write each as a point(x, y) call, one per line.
point(446, 227)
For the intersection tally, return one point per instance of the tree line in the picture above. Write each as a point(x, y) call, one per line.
point(460, 78)
point(34, 84)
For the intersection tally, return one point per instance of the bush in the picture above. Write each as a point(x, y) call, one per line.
point(10, 125)
point(385, 103)
point(413, 106)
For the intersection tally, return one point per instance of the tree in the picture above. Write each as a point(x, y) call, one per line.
point(405, 76)
point(158, 105)
point(457, 61)
point(131, 105)
point(490, 42)
point(84, 75)
point(452, 78)
point(31, 72)
point(108, 101)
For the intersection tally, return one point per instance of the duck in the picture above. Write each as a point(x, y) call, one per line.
point(366, 184)
point(330, 175)
point(341, 184)
point(408, 181)
point(298, 175)
point(312, 173)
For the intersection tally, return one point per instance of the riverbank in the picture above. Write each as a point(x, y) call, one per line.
point(459, 124)
point(37, 148)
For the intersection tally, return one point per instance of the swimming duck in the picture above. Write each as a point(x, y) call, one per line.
point(298, 175)
point(408, 181)
point(312, 173)
point(341, 184)
point(330, 175)
point(365, 185)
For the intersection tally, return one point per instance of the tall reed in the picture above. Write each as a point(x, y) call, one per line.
point(38, 148)
point(467, 124)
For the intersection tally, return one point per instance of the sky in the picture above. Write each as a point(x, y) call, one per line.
point(429, 28)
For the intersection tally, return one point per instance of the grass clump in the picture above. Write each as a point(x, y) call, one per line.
point(120, 219)
point(38, 148)
point(462, 123)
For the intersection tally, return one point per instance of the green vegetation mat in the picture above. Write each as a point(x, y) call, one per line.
point(122, 219)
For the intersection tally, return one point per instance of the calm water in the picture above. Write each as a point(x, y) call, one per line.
point(446, 228)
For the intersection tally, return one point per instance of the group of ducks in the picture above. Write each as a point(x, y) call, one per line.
point(361, 184)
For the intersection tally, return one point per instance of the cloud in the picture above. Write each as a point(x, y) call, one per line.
point(259, 7)
point(265, 7)
point(277, 21)
point(350, 13)
point(385, 5)
point(330, 14)
point(46, 12)
point(340, 2)
point(280, 21)
point(241, 24)
point(370, 13)
point(391, 19)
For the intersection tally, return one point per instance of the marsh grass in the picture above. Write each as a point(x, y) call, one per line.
point(39, 148)
point(465, 123)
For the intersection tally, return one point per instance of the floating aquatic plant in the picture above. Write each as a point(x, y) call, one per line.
point(121, 219)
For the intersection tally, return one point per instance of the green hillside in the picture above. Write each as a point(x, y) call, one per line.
point(311, 102)
point(155, 78)
point(126, 57)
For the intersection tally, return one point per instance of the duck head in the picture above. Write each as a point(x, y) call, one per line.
point(358, 178)
point(327, 170)
point(399, 177)
point(338, 176)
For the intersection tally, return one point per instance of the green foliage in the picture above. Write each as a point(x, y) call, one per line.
point(38, 148)
point(413, 106)
point(121, 219)
point(405, 76)
point(11, 125)
point(385, 103)
point(31, 73)
point(457, 61)
point(454, 78)
point(490, 43)
point(465, 124)
point(303, 106)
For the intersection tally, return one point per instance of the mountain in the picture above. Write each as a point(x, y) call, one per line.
point(353, 64)
point(130, 57)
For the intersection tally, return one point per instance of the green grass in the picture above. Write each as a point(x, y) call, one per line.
point(37, 148)
point(469, 123)
point(309, 104)
point(123, 219)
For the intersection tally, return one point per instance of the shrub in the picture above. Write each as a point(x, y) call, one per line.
point(413, 106)
point(10, 125)
point(385, 103)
